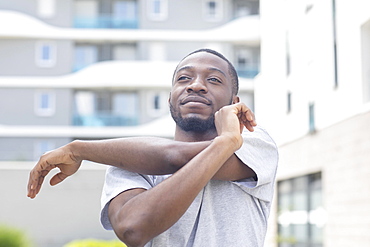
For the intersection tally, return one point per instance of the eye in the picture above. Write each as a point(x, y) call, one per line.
point(183, 78)
point(215, 80)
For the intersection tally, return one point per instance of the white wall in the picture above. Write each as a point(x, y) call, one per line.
point(58, 214)
point(310, 38)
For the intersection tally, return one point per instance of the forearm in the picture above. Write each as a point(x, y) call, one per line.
point(145, 155)
point(163, 205)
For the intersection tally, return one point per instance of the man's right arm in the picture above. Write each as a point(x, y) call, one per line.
point(146, 155)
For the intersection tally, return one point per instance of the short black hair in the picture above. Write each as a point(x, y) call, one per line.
point(232, 72)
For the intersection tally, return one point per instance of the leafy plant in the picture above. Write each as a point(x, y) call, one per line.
point(13, 237)
point(95, 243)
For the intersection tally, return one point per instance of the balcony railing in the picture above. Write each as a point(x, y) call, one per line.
point(247, 73)
point(105, 21)
point(104, 120)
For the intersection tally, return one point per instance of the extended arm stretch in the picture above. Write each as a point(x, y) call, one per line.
point(154, 156)
point(146, 155)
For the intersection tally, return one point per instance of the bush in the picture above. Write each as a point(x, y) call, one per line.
point(95, 243)
point(12, 237)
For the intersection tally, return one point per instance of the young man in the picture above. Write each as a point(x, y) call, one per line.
point(210, 186)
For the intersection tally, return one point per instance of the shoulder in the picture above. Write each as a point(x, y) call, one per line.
point(258, 133)
point(260, 153)
point(259, 141)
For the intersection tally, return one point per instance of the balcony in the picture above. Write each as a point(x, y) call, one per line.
point(106, 22)
point(247, 72)
point(104, 120)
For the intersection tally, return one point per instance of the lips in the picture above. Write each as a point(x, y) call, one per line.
point(196, 99)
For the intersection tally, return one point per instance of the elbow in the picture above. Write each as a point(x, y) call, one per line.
point(132, 236)
point(174, 157)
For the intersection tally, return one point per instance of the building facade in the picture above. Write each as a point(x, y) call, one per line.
point(313, 96)
point(95, 69)
point(107, 63)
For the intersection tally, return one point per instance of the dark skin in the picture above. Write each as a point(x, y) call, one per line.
point(202, 88)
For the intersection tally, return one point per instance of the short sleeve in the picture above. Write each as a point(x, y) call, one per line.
point(117, 181)
point(260, 153)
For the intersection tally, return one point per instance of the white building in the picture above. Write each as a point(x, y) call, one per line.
point(94, 69)
point(313, 96)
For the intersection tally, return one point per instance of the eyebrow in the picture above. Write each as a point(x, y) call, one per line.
point(193, 67)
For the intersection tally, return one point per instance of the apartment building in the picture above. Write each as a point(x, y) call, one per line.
point(73, 66)
point(95, 69)
point(313, 96)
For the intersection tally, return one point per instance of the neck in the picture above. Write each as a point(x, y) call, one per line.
point(191, 136)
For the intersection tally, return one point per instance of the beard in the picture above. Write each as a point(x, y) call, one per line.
point(193, 124)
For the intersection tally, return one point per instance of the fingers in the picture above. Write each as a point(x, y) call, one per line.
point(246, 116)
point(57, 178)
point(37, 176)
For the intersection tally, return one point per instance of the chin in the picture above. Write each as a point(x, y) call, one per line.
point(196, 124)
point(193, 121)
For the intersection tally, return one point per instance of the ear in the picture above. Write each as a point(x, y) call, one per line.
point(236, 99)
point(169, 99)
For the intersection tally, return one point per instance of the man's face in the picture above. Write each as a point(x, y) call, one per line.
point(201, 86)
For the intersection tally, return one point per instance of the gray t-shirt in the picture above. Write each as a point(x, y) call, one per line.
point(224, 213)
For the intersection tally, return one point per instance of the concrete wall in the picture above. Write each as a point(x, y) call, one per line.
point(59, 214)
point(341, 153)
point(26, 149)
point(179, 19)
point(62, 16)
point(18, 58)
point(18, 107)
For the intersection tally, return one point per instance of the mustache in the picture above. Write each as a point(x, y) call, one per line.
point(196, 98)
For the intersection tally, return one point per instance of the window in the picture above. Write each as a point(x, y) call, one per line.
point(103, 102)
point(85, 55)
point(213, 10)
point(124, 52)
point(301, 216)
point(45, 103)
point(157, 103)
point(309, 5)
point(157, 51)
point(246, 61)
point(41, 147)
point(46, 53)
point(125, 106)
point(365, 46)
point(157, 10)
point(106, 108)
point(125, 14)
point(287, 55)
point(46, 8)
point(86, 14)
point(243, 8)
point(311, 115)
point(335, 50)
point(289, 102)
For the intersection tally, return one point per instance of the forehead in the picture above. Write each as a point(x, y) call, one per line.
point(204, 60)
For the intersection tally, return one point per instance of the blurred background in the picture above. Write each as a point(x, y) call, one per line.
point(96, 69)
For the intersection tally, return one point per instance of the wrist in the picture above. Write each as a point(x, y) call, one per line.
point(231, 142)
point(75, 149)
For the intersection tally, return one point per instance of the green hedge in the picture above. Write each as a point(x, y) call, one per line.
point(13, 237)
point(95, 243)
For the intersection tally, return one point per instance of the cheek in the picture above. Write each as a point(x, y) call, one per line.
point(174, 96)
point(223, 99)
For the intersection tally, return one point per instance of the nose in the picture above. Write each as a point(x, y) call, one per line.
point(197, 86)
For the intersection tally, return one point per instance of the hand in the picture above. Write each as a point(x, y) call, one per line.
point(231, 119)
point(62, 158)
